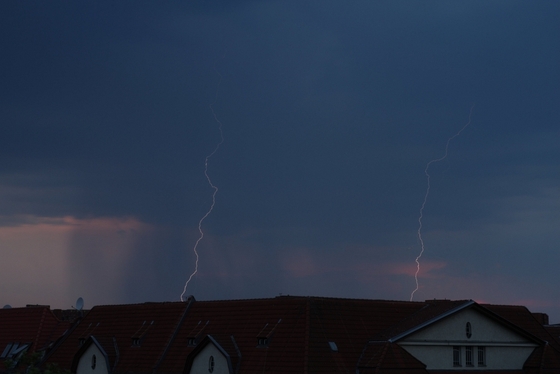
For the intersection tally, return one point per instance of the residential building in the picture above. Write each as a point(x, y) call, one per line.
point(33, 329)
point(290, 334)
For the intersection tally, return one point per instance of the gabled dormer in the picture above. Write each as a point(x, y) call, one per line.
point(210, 356)
point(465, 336)
point(98, 355)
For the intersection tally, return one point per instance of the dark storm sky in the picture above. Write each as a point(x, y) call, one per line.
point(330, 112)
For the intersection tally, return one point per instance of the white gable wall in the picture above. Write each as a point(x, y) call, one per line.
point(433, 345)
point(200, 363)
point(85, 362)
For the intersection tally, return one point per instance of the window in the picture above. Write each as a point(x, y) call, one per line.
point(468, 330)
point(456, 356)
point(7, 350)
point(481, 356)
point(469, 356)
point(14, 349)
point(211, 364)
point(93, 362)
point(262, 342)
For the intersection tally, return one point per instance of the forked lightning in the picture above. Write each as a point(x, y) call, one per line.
point(426, 199)
point(214, 188)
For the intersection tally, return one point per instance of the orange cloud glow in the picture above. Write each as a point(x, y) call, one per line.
point(36, 267)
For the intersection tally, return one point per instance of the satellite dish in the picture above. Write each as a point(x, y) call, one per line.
point(79, 303)
point(7, 306)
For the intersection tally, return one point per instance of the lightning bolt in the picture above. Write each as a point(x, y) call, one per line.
point(214, 188)
point(426, 199)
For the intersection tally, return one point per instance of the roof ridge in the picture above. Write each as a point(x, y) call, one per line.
point(190, 302)
point(429, 321)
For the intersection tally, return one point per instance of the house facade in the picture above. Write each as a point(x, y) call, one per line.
point(469, 339)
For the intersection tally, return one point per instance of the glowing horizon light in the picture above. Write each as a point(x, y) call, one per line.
point(426, 199)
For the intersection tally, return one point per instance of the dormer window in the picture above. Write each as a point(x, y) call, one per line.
point(13, 350)
point(140, 334)
point(196, 333)
point(266, 333)
point(81, 341)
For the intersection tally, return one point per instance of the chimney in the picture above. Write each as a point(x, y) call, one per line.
point(542, 318)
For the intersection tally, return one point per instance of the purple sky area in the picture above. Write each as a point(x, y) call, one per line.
point(330, 111)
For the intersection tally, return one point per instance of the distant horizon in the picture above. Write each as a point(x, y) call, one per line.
point(187, 299)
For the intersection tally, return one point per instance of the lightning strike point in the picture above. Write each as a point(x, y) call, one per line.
point(419, 232)
point(214, 188)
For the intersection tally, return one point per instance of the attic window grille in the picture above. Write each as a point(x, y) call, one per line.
point(468, 330)
point(469, 356)
point(93, 362)
point(481, 356)
point(456, 356)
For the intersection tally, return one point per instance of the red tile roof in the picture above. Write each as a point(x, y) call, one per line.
point(36, 325)
point(386, 357)
point(156, 323)
point(299, 331)
point(286, 334)
point(521, 317)
point(554, 331)
point(430, 311)
point(245, 320)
